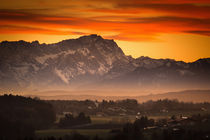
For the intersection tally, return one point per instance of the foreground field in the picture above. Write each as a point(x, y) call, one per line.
point(102, 125)
point(91, 131)
point(103, 133)
point(112, 119)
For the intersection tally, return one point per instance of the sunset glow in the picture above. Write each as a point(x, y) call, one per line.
point(176, 29)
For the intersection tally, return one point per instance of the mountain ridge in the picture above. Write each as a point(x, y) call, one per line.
point(183, 96)
point(92, 62)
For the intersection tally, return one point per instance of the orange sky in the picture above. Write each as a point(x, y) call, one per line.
point(177, 29)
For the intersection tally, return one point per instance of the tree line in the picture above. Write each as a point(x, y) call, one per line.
point(128, 106)
point(69, 120)
point(21, 116)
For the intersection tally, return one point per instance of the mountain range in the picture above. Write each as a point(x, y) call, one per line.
point(91, 62)
point(196, 96)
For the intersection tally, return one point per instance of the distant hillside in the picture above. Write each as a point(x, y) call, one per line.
point(21, 116)
point(186, 96)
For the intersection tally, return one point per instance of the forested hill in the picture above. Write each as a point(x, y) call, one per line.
point(20, 116)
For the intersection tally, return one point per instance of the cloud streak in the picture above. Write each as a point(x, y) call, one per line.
point(134, 20)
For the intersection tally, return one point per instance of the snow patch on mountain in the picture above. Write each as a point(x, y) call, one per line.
point(185, 72)
point(91, 57)
point(21, 70)
point(109, 60)
point(69, 52)
point(103, 69)
point(91, 71)
point(43, 59)
point(35, 67)
point(62, 76)
point(80, 64)
point(84, 51)
point(80, 71)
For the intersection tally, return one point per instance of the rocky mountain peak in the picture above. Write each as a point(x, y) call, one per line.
point(92, 36)
point(90, 59)
point(35, 43)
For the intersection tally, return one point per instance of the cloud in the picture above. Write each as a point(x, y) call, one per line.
point(181, 10)
point(134, 20)
point(11, 29)
point(207, 33)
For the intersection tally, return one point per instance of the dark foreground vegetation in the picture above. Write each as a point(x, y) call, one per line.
point(21, 117)
point(69, 120)
point(129, 107)
point(193, 128)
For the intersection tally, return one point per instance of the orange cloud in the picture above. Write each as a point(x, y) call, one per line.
point(181, 10)
point(134, 20)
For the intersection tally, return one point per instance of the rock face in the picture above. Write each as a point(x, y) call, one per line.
point(91, 60)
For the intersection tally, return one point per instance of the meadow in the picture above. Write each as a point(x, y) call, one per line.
point(103, 133)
